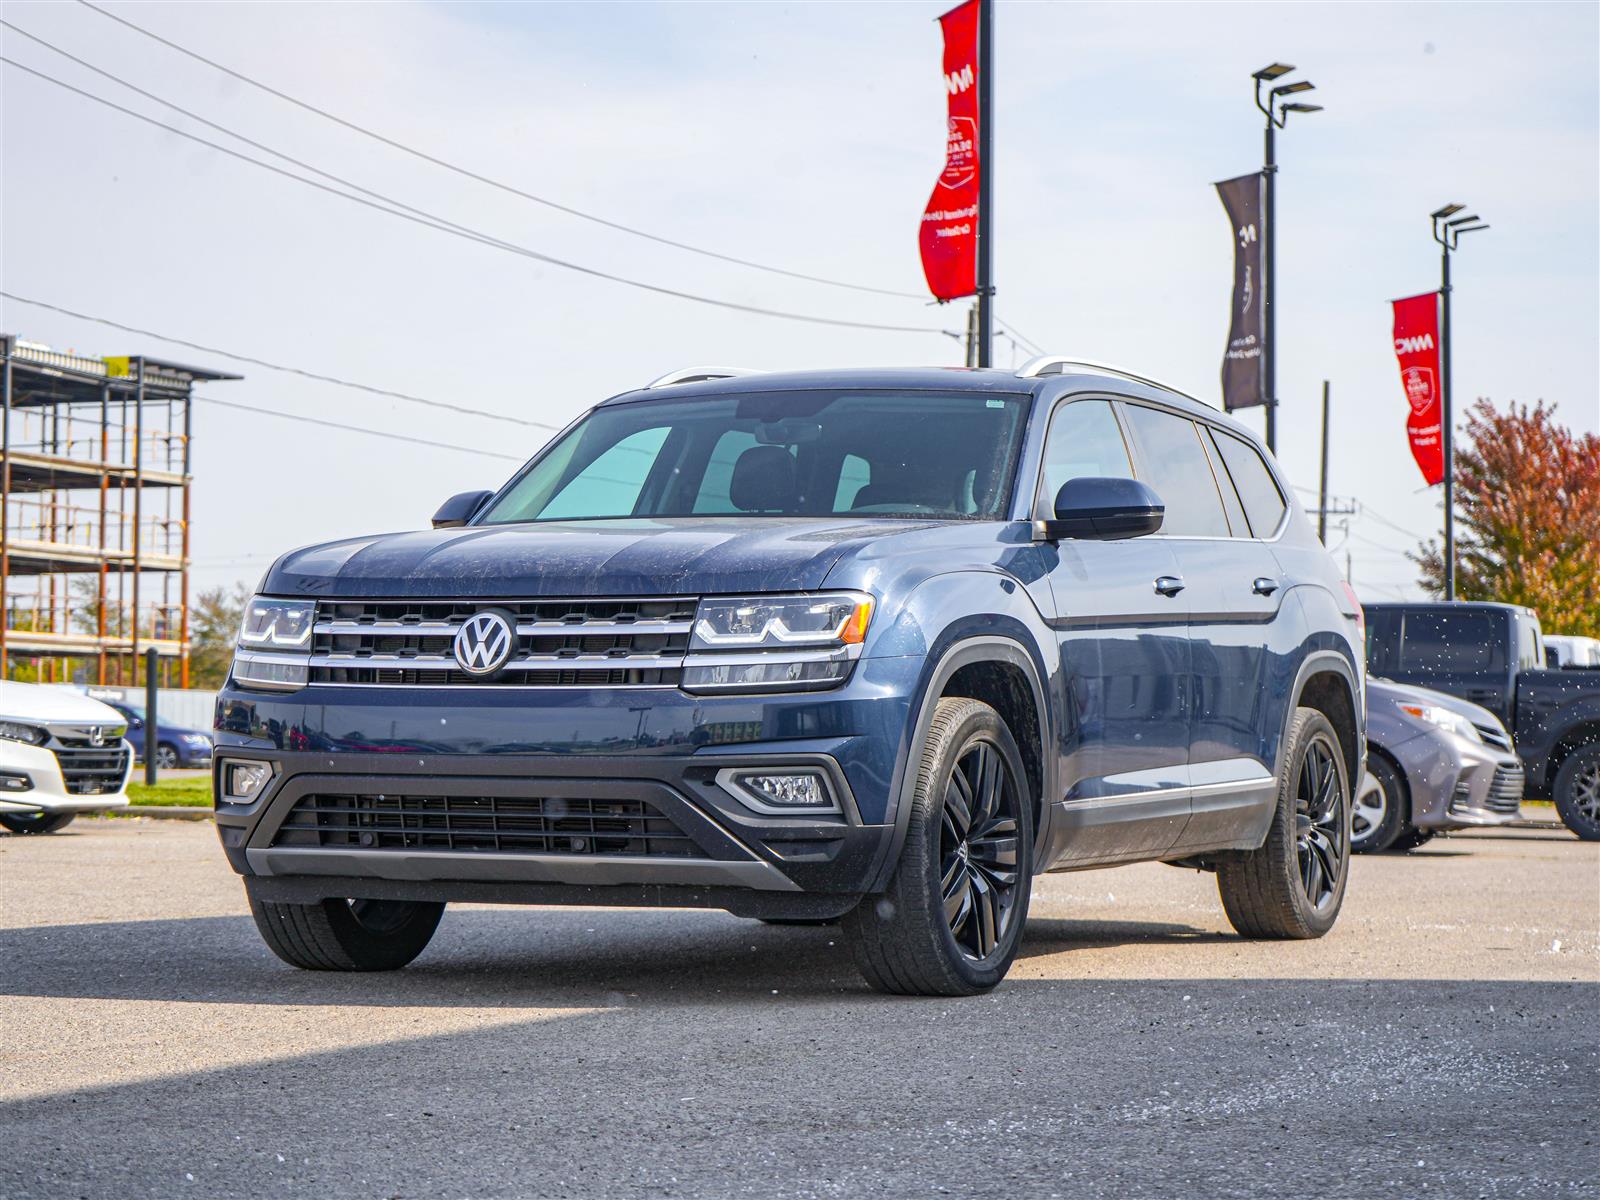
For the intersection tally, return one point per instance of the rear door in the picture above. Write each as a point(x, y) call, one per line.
point(1234, 594)
point(1124, 651)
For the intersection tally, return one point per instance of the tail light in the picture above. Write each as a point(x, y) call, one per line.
point(1361, 617)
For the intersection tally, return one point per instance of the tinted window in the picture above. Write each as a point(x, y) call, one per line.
point(1178, 469)
point(1084, 441)
point(1258, 491)
point(819, 453)
point(1440, 643)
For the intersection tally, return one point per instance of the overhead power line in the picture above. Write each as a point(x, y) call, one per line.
point(431, 221)
point(383, 433)
point(272, 366)
point(468, 173)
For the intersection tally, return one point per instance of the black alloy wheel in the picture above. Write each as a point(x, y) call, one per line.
point(1321, 825)
point(978, 842)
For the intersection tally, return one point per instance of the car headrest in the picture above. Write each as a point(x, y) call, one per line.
point(764, 480)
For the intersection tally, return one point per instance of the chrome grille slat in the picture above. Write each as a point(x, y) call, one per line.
point(627, 642)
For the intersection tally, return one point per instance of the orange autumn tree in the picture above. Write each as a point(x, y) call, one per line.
point(1528, 523)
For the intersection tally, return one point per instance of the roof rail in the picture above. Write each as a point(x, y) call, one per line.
point(1057, 364)
point(698, 375)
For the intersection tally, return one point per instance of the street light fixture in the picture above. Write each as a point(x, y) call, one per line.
point(1276, 110)
point(1447, 231)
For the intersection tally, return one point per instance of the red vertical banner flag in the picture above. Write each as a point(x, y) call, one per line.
point(949, 239)
point(1416, 345)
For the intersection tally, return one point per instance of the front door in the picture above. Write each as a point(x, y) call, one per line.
point(1124, 648)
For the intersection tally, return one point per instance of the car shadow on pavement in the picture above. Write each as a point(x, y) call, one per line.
point(484, 957)
point(1067, 1087)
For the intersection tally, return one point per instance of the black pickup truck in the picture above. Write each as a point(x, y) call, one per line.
point(1493, 655)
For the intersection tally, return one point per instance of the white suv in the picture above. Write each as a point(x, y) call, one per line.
point(61, 754)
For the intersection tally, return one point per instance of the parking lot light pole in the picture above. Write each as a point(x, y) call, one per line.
point(1276, 109)
point(1447, 231)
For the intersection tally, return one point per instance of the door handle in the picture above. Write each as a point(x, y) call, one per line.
point(1264, 586)
point(1169, 585)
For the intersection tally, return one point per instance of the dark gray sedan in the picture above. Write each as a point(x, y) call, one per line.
point(1434, 762)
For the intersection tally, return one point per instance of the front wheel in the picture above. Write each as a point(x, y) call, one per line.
point(1378, 813)
point(1293, 886)
point(166, 756)
point(39, 822)
point(1577, 792)
point(347, 935)
point(951, 920)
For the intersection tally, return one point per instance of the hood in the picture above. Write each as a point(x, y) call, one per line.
point(1405, 693)
point(657, 556)
point(37, 703)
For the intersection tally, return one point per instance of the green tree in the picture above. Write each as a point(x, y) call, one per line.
point(1528, 529)
point(213, 630)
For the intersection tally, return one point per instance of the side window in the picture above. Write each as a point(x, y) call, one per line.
point(1084, 440)
point(854, 474)
point(1258, 491)
point(611, 484)
point(1180, 471)
point(717, 479)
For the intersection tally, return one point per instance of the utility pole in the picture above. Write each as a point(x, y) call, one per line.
point(1277, 113)
point(1447, 232)
point(985, 182)
point(1322, 491)
point(972, 336)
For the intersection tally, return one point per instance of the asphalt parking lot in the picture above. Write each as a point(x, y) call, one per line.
point(1444, 1040)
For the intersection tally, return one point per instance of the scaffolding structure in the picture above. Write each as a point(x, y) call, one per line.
point(94, 514)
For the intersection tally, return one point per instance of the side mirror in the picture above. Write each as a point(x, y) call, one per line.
point(460, 509)
point(135, 723)
point(1102, 509)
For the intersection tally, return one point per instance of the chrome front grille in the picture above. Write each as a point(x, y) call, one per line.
point(1493, 735)
point(559, 643)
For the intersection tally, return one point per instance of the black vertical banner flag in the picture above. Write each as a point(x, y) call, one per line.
point(1241, 364)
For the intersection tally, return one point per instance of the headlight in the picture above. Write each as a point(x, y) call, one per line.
point(277, 624)
point(776, 643)
point(196, 739)
point(15, 731)
point(269, 636)
point(1450, 722)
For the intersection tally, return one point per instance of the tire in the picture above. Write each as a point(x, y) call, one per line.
point(1411, 837)
point(166, 756)
point(1378, 818)
point(1577, 792)
point(952, 917)
point(42, 822)
point(347, 935)
point(1284, 889)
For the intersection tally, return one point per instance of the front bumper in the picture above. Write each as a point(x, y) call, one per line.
point(1458, 783)
point(48, 788)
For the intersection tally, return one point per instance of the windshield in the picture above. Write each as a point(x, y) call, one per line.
point(822, 453)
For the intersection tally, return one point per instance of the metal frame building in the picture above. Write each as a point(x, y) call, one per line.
point(94, 512)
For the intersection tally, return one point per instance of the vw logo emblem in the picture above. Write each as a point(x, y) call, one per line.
point(483, 643)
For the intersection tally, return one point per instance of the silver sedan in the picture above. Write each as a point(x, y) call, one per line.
point(1434, 762)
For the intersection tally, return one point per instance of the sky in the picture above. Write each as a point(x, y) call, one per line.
point(805, 136)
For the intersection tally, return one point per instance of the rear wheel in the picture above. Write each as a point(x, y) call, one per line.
point(1378, 813)
point(1577, 792)
point(1293, 886)
point(951, 920)
point(41, 822)
point(347, 935)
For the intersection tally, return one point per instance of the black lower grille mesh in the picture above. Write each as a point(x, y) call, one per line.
point(90, 772)
point(503, 824)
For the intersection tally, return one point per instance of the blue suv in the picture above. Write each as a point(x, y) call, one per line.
point(871, 646)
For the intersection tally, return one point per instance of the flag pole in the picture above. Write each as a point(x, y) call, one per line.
point(985, 181)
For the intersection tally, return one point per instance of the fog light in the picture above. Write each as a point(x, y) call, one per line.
point(244, 780)
point(14, 781)
point(779, 792)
